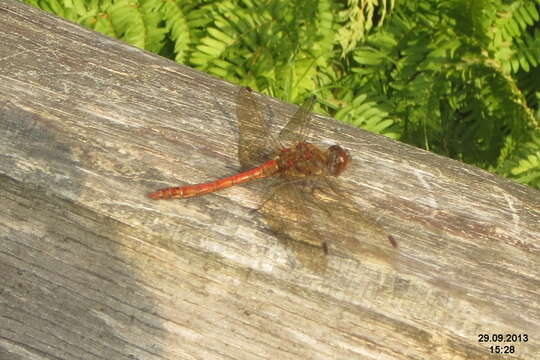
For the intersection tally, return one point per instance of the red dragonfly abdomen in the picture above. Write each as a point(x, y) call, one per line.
point(269, 168)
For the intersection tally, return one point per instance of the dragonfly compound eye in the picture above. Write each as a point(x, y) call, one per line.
point(338, 159)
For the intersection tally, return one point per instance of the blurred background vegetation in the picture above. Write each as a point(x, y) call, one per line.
point(460, 78)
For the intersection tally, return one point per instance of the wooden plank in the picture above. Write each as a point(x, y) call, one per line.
point(92, 269)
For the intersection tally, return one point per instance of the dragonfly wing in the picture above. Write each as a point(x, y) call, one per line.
point(313, 221)
point(297, 128)
point(255, 146)
point(353, 232)
point(288, 215)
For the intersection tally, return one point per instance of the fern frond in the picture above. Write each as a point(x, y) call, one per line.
point(261, 42)
point(367, 114)
point(358, 18)
point(511, 41)
point(523, 165)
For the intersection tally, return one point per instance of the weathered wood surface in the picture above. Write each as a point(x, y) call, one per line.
point(92, 269)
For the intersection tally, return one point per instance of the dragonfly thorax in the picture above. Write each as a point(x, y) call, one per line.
point(306, 159)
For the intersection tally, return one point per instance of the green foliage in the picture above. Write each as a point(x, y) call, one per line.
point(358, 18)
point(275, 46)
point(451, 71)
point(457, 77)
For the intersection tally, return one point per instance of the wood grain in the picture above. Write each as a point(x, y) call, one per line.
point(90, 268)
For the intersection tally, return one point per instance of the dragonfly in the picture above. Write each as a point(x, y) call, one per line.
point(300, 170)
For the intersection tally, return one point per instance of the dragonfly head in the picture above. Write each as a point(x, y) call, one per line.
point(338, 160)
